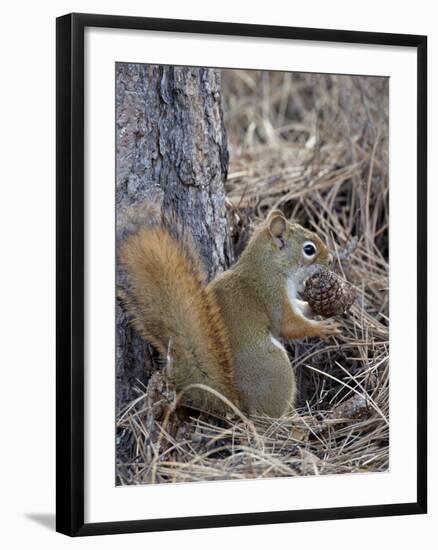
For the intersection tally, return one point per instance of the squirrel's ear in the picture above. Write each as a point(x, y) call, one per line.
point(277, 224)
point(273, 214)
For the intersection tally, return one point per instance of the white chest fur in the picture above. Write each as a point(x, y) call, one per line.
point(279, 345)
point(291, 289)
point(298, 306)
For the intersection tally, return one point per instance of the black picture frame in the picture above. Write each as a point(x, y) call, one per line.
point(70, 273)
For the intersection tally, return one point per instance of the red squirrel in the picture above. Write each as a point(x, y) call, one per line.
point(226, 334)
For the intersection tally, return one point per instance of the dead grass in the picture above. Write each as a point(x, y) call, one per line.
point(315, 146)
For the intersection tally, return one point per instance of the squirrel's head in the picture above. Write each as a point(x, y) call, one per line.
point(289, 247)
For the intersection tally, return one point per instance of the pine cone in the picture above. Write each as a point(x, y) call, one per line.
point(328, 294)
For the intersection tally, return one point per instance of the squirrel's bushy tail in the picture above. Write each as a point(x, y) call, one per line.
point(172, 309)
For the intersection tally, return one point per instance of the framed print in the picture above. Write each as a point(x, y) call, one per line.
point(241, 274)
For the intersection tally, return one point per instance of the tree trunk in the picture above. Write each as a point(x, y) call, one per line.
point(172, 151)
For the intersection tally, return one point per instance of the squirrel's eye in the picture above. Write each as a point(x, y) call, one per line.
point(309, 249)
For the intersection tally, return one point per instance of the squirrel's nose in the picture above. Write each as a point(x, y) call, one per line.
point(330, 258)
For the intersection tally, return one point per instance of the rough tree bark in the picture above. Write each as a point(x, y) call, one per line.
point(171, 149)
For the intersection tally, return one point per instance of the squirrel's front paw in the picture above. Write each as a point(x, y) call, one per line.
point(328, 328)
